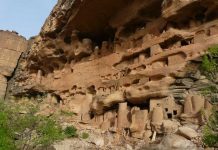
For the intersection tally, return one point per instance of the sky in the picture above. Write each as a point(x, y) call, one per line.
point(24, 16)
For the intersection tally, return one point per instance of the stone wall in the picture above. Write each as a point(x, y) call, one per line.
point(11, 47)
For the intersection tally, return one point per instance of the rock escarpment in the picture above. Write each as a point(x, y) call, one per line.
point(125, 66)
point(11, 47)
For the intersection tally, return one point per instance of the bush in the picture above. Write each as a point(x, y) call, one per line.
point(85, 135)
point(209, 138)
point(210, 131)
point(67, 113)
point(49, 131)
point(22, 131)
point(209, 65)
point(71, 131)
point(27, 130)
point(209, 62)
point(213, 51)
point(209, 90)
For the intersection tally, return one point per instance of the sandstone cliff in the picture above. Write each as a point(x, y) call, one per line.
point(11, 47)
point(121, 64)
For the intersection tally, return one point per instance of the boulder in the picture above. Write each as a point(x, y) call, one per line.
point(97, 140)
point(174, 142)
point(187, 132)
point(170, 126)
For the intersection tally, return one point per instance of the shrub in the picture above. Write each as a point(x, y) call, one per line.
point(49, 132)
point(209, 90)
point(85, 135)
point(71, 131)
point(213, 51)
point(208, 65)
point(209, 68)
point(67, 113)
point(210, 131)
point(209, 138)
point(22, 131)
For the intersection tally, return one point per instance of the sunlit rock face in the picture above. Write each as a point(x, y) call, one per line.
point(11, 47)
point(122, 64)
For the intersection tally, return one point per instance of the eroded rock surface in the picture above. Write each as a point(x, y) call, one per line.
point(174, 142)
point(128, 67)
point(11, 47)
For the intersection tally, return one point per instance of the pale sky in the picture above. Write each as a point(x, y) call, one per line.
point(24, 16)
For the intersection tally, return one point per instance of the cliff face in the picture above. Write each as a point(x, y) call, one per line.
point(11, 47)
point(123, 64)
